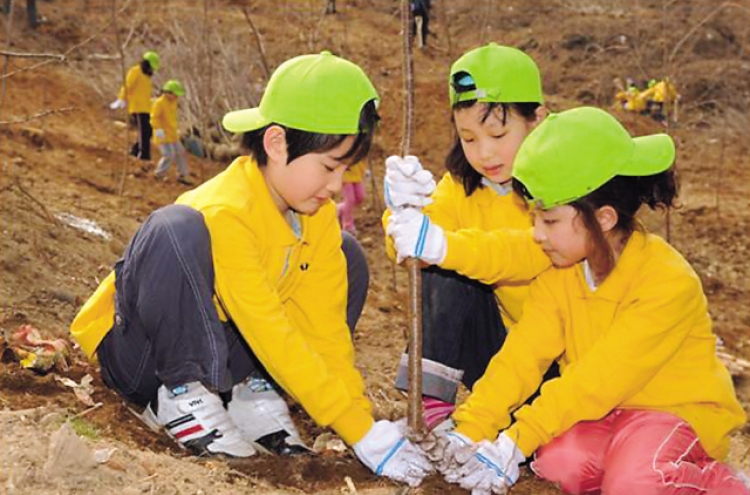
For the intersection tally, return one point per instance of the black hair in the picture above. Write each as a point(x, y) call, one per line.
point(626, 194)
point(146, 68)
point(299, 143)
point(456, 162)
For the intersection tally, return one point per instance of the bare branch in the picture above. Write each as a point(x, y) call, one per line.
point(259, 42)
point(55, 56)
point(35, 116)
point(64, 57)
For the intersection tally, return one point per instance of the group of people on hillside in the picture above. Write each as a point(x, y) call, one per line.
point(154, 118)
point(658, 99)
point(585, 341)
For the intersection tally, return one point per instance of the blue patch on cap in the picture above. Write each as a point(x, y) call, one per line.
point(466, 80)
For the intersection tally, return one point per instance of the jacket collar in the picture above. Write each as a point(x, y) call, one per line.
point(283, 235)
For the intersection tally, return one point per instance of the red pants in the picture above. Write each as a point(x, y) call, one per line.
point(634, 452)
point(353, 194)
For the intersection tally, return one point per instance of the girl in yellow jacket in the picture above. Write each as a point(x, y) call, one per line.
point(164, 122)
point(241, 288)
point(642, 405)
point(496, 100)
point(136, 96)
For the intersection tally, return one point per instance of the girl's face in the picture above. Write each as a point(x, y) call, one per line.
point(307, 182)
point(561, 234)
point(491, 146)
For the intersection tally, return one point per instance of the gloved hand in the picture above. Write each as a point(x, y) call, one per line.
point(406, 183)
point(159, 133)
point(118, 103)
point(387, 452)
point(493, 467)
point(414, 236)
point(447, 450)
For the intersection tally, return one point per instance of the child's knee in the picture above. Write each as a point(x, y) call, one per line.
point(568, 463)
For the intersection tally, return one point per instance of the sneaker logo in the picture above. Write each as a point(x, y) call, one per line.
point(179, 390)
point(259, 385)
point(195, 402)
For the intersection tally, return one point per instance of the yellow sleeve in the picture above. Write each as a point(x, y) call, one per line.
point(158, 117)
point(322, 298)
point(517, 370)
point(255, 306)
point(131, 79)
point(501, 255)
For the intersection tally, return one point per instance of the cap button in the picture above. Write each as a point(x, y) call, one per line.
point(325, 52)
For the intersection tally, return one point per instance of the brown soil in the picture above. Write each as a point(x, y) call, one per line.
point(71, 161)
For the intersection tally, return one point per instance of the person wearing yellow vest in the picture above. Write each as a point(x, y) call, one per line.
point(241, 287)
point(352, 193)
point(642, 404)
point(135, 95)
point(496, 100)
point(164, 123)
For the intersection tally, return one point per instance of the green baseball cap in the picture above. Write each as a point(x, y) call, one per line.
point(153, 59)
point(319, 93)
point(495, 74)
point(174, 86)
point(572, 153)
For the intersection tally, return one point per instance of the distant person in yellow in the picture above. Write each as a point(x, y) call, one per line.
point(164, 123)
point(353, 193)
point(136, 96)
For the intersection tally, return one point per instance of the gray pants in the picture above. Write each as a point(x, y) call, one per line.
point(172, 152)
point(167, 330)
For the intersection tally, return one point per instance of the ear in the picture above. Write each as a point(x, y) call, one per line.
point(607, 218)
point(541, 113)
point(274, 143)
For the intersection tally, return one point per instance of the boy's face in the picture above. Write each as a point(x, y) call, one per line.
point(491, 146)
point(307, 182)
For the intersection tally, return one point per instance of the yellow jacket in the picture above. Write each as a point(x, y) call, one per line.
point(356, 172)
point(642, 340)
point(137, 91)
point(164, 116)
point(486, 210)
point(286, 295)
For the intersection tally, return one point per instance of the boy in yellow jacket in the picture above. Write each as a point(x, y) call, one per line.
point(164, 122)
point(136, 96)
point(643, 404)
point(496, 100)
point(241, 287)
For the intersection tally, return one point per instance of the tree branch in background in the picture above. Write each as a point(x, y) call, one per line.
point(35, 116)
point(259, 43)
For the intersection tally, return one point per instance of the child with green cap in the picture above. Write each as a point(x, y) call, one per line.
point(241, 287)
point(496, 100)
point(135, 95)
point(642, 404)
point(164, 123)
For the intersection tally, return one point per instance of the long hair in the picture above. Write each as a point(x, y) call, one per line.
point(626, 194)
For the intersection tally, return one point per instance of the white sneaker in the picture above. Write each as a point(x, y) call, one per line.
point(198, 421)
point(262, 417)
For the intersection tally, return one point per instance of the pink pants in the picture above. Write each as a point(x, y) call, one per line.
point(353, 194)
point(634, 452)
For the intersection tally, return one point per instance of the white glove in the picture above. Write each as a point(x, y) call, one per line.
point(118, 103)
point(492, 469)
point(159, 133)
point(406, 183)
point(387, 452)
point(414, 236)
point(447, 450)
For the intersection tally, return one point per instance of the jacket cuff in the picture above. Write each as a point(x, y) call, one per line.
point(453, 248)
point(353, 425)
point(472, 431)
point(526, 439)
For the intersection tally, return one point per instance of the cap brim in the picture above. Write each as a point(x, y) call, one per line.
point(653, 154)
point(245, 120)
